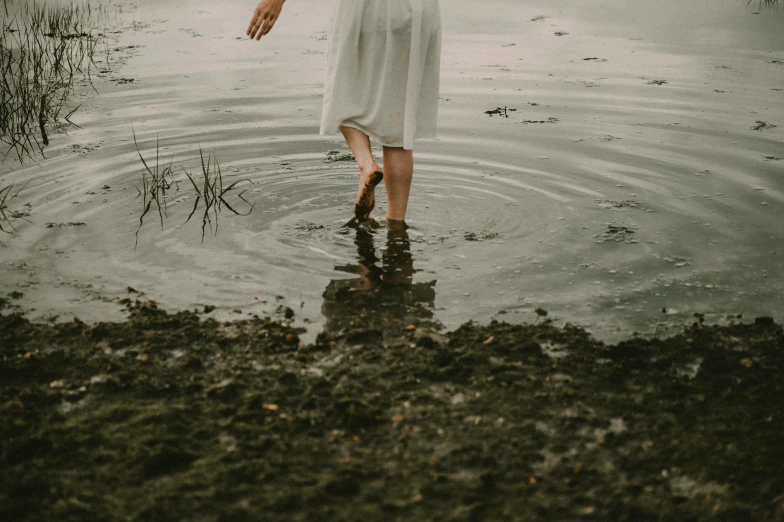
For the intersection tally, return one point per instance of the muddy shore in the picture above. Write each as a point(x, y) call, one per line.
point(174, 416)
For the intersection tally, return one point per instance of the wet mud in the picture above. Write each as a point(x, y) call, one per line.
point(172, 416)
point(367, 199)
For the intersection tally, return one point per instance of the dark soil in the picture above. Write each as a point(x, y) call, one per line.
point(171, 417)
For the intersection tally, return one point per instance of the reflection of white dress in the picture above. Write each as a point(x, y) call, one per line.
point(383, 69)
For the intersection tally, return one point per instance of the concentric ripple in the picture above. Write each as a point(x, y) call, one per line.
point(633, 179)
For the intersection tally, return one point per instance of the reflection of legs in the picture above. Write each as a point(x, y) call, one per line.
point(369, 272)
point(359, 143)
point(398, 169)
point(398, 265)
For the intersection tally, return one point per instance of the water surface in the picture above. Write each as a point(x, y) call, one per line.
point(629, 184)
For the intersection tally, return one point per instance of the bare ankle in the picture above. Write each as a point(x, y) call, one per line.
point(367, 170)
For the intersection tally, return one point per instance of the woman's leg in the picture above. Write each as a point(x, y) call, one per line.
point(398, 171)
point(359, 143)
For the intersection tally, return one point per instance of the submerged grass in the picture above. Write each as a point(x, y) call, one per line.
point(6, 215)
point(763, 3)
point(213, 193)
point(44, 49)
point(157, 183)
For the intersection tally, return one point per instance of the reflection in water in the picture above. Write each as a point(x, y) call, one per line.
point(639, 198)
point(382, 296)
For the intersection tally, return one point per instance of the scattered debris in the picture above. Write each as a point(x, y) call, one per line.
point(548, 120)
point(500, 111)
point(617, 234)
point(338, 155)
point(760, 125)
point(484, 235)
point(609, 203)
point(66, 224)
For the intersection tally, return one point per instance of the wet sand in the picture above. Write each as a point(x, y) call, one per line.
point(628, 185)
point(613, 168)
point(170, 417)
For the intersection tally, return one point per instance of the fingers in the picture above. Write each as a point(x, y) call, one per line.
point(254, 29)
point(268, 26)
point(253, 21)
point(261, 24)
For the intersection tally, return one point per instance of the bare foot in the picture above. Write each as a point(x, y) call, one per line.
point(366, 199)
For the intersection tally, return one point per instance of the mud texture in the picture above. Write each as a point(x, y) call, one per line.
point(367, 199)
point(172, 417)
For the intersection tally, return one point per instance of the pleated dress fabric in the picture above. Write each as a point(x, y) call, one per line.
point(383, 68)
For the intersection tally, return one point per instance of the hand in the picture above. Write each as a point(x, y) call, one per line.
point(264, 17)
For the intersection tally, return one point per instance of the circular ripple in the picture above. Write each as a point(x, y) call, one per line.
point(604, 197)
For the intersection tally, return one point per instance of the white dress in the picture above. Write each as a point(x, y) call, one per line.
point(383, 67)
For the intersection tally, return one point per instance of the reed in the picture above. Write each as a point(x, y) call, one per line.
point(155, 183)
point(763, 3)
point(159, 183)
point(211, 190)
point(44, 49)
point(6, 214)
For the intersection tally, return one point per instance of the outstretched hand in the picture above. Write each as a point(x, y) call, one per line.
point(264, 17)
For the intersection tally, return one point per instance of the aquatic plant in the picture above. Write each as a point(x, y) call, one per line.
point(157, 181)
point(43, 50)
point(763, 3)
point(214, 193)
point(6, 214)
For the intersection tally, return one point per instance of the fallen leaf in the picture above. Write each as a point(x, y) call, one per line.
point(532, 480)
point(411, 327)
point(746, 362)
point(144, 357)
point(398, 417)
point(269, 406)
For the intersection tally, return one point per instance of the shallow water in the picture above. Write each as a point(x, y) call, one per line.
point(644, 197)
